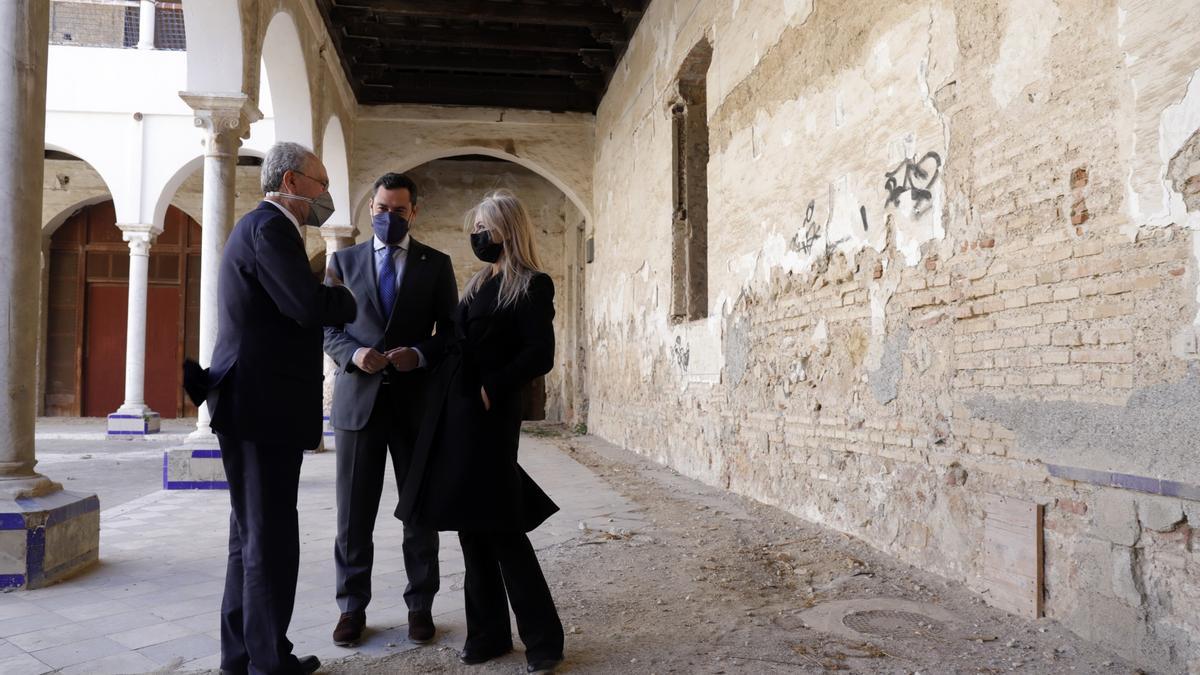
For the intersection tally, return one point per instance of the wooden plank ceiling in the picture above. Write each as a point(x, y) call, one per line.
point(553, 55)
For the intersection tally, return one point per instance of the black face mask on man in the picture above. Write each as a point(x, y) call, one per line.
point(485, 249)
point(390, 227)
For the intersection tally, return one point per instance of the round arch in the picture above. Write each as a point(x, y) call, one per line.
point(84, 198)
point(181, 174)
point(284, 66)
point(56, 221)
point(106, 166)
point(411, 162)
point(336, 160)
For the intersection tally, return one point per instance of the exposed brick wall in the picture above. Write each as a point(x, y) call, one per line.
point(935, 274)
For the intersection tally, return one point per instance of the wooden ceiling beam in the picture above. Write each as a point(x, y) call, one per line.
point(488, 11)
point(517, 39)
point(408, 79)
point(547, 64)
point(553, 101)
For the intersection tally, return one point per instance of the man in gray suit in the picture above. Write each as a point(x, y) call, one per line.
point(406, 294)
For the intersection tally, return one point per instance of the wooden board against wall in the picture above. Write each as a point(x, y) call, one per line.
point(1013, 555)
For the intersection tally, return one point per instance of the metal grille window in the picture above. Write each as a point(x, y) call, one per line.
point(114, 23)
point(168, 26)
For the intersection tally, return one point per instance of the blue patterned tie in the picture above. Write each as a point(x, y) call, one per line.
point(387, 279)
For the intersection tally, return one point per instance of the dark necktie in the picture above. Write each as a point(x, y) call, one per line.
point(387, 279)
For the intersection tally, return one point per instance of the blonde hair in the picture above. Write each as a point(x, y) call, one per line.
point(502, 213)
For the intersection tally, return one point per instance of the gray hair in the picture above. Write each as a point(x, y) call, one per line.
point(281, 158)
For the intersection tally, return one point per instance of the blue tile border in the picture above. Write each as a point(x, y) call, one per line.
point(35, 538)
point(12, 580)
point(195, 485)
point(73, 510)
point(12, 521)
point(168, 484)
point(1154, 486)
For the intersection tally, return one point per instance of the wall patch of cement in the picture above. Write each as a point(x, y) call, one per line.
point(1163, 420)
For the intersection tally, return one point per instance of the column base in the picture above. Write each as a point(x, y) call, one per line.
point(194, 468)
point(46, 539)
point(132, 426)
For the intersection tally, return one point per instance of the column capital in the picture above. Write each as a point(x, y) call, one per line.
point(223, 113)
point(140, 237)
point(336, 231)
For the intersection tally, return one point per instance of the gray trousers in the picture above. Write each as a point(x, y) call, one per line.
point(361, 464)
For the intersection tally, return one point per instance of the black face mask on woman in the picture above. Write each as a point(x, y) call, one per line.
point(485, 249)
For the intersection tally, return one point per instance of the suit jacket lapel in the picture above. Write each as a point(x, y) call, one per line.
point(367, 264)
point(414, 263)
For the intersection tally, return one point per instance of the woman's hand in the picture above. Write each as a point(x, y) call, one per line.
point(487, 403)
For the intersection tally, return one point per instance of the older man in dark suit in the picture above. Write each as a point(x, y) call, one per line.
point(406, 295)
point(264, 393)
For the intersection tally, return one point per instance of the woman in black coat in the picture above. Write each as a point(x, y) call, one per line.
point(464, 474)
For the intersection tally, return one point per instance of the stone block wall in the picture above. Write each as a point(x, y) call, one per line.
point(952, 253)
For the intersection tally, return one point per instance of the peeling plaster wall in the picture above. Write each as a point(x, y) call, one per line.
point(951, 253)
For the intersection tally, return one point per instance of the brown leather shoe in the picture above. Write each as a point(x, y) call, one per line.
point(349, 628)
point(420, 626)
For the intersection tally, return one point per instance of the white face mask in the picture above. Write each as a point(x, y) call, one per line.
point(321, 206)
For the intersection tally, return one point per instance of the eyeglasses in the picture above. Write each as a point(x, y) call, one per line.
point(324, 184)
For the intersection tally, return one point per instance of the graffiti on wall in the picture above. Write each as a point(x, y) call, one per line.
point(809, 232)
point(917, 178)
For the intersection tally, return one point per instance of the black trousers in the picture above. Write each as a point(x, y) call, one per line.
point(361, 465)
point(264, 556)
point(497, 561)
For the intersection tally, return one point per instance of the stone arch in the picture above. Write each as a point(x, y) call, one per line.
point(211, 27)
point(287, 73)
point(409, 162)
point(109, 166)
point(181, 174)
point(337, 163)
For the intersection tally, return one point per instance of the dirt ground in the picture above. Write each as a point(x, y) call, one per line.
point(720, 584)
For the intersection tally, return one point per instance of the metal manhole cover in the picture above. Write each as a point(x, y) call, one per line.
point(892, 623)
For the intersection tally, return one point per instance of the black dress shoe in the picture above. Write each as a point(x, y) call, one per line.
point(420, 626)
point(349, 628)
point(474, 657)
point(543, 665)
point(309, 664)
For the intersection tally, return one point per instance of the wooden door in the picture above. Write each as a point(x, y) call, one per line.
point(104, 349)
point(86, 322)
point(163, 372)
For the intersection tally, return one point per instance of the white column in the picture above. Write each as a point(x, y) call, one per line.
point(134, 419)
point(146, 25)
point(225, 118)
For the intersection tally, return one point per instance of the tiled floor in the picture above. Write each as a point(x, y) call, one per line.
point(153, 601)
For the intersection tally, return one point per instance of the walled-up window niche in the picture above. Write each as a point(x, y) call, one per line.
point(689, 167)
